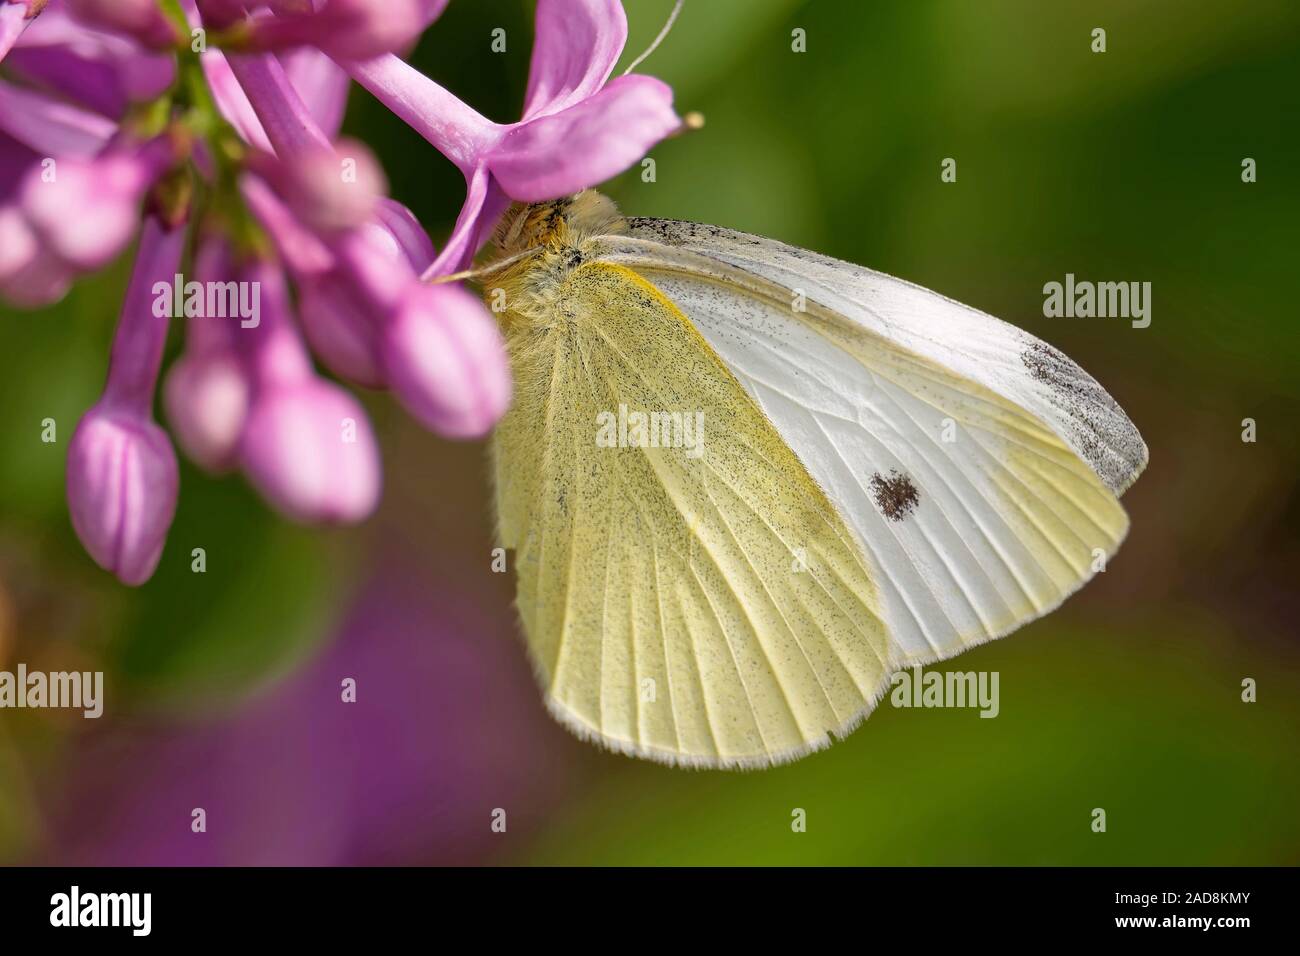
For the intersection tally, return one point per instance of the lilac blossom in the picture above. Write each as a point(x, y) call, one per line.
point(122, 474)
point(109, 119)
point(206, 394)
point(307, 444)
point(577, 130)
point(464, 389)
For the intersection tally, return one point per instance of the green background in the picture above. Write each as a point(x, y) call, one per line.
point(1119, 166)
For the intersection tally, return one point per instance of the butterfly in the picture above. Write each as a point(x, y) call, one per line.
point(745, 484)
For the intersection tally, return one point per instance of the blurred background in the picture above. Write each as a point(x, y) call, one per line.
point(223, 688)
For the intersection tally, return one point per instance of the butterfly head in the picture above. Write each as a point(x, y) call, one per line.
point(567, 221)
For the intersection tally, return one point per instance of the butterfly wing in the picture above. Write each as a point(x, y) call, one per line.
point(977, 467)
point(710, 609)
point(1003, 358)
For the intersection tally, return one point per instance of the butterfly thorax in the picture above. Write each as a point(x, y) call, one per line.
point(547, 242)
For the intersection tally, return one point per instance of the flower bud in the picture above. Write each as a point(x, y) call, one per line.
point(444, 360)
point(307, 445)
point(329, 191)
point(87, 211)
point(122, 484)
point(339, 331)
point(308, 448)
point(206, 397)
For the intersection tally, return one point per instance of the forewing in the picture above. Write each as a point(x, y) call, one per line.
point(974, 504)
point(1003, 358)
point(712, 610)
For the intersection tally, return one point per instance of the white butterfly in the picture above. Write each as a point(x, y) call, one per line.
point(882, 478)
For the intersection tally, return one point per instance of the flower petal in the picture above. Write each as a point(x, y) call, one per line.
point(90, 210)
point(141, 20)
point(566, 152)
point(231, 100)
point(285, 118)
point(348, 29)
point(304, 252)
point(100, 70)
point(575, 47)
point(451, 126)
point(321, 83)
point(401, 224)
point(50, 126)
point(484, 203)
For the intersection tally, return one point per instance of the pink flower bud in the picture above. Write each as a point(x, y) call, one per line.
point(18, 244)
point(206, 392)
point(339, 330)
point(309, 450)
point(122, 485)
point(43, 280)
point(122, 474)
point(444, 360)
point(86, 210)
point(206, 397)
point(307, 445)
point(329, 191)
point(341, 309)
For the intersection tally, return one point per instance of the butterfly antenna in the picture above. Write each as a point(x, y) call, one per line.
point(672, 18)
point(485, 270)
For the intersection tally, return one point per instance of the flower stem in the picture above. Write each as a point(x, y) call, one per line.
point(455, 130)
point(284, 116)
point(141, 334)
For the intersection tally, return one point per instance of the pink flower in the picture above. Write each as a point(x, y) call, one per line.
point(576, 131)
point(95, 131)
point(86, 210)
point(51, 126)
point(122, 475)
point(34, 128)
point(383, 307)
point(430, 353)
point(206, 393)
point(206, 396)
point(328, 190)
point(307, 445)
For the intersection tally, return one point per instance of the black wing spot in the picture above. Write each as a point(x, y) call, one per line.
point(896, 496)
